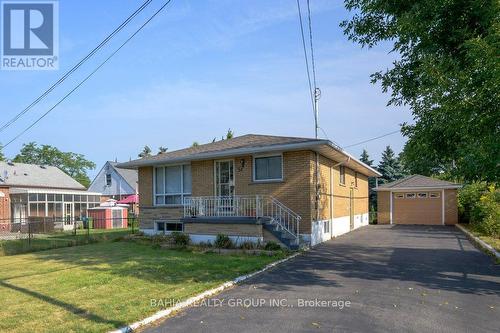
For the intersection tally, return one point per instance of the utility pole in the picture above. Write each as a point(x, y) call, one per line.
point(317, 95)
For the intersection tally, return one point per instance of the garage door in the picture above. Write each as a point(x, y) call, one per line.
point(417, 208)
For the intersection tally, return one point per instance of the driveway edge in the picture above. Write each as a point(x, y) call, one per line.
point(479, 242)
point(192, 300)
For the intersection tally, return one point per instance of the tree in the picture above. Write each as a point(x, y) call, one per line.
point(195, 144)
point(162, 150)
point(389, 167)
point(229, 134)
point(2, 156)
point(365, 158)
point(448, 73)
point(146, 151)
point(75, 165)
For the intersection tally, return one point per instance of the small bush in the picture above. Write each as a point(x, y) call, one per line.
point(223, 242)
point(180, 239)
point(479, 205)
point(272, 246)
point(248, 245)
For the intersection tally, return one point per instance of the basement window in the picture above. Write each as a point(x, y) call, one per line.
point(168, 227)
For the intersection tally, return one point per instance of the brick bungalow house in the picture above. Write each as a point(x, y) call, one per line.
point(254, 187)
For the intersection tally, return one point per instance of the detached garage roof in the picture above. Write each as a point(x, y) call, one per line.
point(415, 182)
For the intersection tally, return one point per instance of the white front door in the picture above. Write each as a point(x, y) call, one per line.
point(224, 178)
point(68, 213)
point(224, 187)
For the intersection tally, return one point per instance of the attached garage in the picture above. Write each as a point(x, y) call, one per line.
point(417, 200)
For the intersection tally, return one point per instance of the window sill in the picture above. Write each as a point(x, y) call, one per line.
point(271, 181)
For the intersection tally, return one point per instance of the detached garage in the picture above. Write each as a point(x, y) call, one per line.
point(417, 199)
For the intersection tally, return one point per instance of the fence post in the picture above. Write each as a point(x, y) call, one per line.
point(88, 229)
point(29, 234)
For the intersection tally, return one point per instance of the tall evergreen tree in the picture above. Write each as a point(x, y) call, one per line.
point(365, 158)
point(389, 166)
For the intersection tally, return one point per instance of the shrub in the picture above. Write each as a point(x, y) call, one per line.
point(223, 242)
point(468, 198)
point(480, 206)
point(248, 245)
point(180, 239)
point(272, 246)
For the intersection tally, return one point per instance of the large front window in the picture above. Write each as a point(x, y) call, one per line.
point(268, 168)
point(172, 184)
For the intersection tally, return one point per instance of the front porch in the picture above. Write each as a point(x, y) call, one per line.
point(244, 218)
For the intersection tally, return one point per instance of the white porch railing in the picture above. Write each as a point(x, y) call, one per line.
point(257, 206)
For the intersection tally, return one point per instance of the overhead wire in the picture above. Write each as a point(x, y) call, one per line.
point(91, 74)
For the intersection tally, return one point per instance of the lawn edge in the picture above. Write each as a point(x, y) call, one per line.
point(482, 245)
point(192, 300)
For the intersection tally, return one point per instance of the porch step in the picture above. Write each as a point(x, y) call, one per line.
point(283, 236)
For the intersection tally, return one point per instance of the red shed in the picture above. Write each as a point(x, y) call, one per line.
point(105, 217)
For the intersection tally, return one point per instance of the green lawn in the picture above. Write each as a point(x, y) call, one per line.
point(493, 241)
point(61, 239)
point(98, 287)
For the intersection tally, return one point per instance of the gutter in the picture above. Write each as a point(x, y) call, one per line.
point(246, 151)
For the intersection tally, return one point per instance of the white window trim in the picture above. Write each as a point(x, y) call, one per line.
point(170, 194)
point(267, 180)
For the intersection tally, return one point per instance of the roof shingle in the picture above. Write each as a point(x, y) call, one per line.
point(418, 181)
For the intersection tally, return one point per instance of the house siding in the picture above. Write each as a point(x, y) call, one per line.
point(450, 207)
point(383, 207)
point(294, 191)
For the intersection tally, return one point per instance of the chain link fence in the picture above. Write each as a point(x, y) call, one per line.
point(41, 233)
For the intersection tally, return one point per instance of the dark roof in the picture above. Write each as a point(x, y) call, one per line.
point(249, 144)
point(418, 181)
point(129, 175)
point(33, 175)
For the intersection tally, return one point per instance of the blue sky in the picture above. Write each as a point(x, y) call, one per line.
point(200, 68)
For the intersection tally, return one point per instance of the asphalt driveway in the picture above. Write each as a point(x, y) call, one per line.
point(396, 278)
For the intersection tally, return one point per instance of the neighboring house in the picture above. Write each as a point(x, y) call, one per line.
point(418, 199)
point(114, 183)
point(256, 188)
point(30, 191)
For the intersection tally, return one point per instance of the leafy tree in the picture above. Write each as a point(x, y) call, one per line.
point(389, 167)
point(448, 73)
point(73, 164)
point(195, 144)
point(146, 151)
point(230, 134)
point(162, 150)
point(365, 158)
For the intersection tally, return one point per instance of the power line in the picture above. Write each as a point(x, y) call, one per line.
point(372, 139)
point(311, 44)
point(78, 65)
point(91, 74)
point(305, 55)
